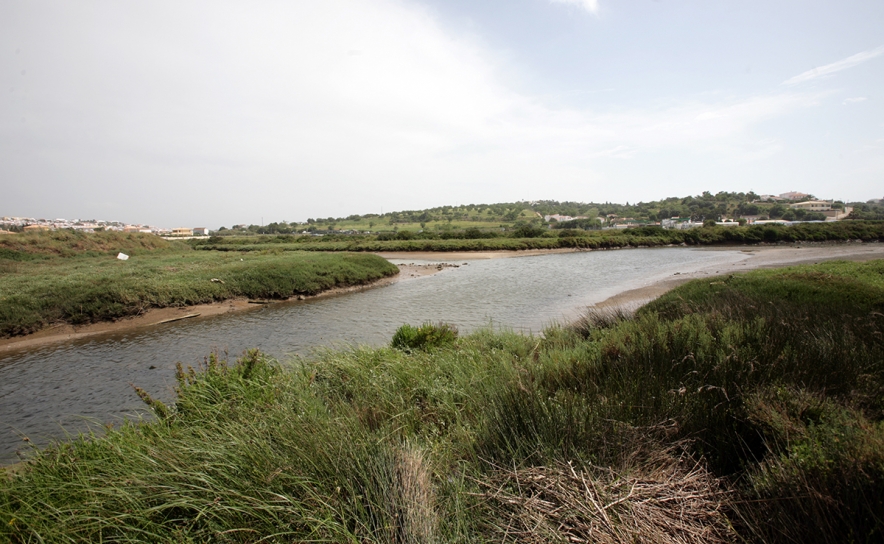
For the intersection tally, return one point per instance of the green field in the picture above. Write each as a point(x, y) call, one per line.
point(62, 277)
point(740, 408)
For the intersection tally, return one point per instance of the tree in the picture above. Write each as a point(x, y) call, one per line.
point(776, 211)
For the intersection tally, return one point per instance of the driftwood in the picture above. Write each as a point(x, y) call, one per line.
point(188, 316)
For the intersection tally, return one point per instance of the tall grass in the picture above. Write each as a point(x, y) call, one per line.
point(745, 408)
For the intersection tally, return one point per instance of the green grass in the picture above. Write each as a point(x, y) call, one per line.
point(70, 243)
point(41, 288)
point(737, 408)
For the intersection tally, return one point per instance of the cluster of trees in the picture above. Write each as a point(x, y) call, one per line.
point(870, 211)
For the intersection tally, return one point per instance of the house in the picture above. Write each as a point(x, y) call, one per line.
point(30, 228)
point(200, 231)
point(792, 195)
point(182, 231)
point(812, 206)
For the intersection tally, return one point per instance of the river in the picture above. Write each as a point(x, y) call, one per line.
point(61, 389)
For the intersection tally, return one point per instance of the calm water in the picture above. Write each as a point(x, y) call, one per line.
point(67, 388)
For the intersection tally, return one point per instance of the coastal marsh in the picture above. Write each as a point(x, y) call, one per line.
point(730, 409)
point(85, 282)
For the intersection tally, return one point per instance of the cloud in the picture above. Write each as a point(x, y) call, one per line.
point(842, 64)
point(854, 100)
point(591, 6)
point(289, 111)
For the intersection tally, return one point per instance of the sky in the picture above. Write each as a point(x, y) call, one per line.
point(211, 113)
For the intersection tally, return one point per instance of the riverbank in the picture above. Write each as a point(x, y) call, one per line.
point(156, 316)
point(757, 257)
point(80, 287)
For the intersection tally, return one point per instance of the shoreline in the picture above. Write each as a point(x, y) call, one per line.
point(64, 332)
point(757, 257)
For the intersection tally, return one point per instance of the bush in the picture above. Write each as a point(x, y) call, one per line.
point(425, 337)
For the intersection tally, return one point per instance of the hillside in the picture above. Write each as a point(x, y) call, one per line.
point(507, 215)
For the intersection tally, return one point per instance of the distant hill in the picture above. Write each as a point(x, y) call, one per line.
point(505, 215)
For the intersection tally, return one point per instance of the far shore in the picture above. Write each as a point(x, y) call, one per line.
point(757, 257)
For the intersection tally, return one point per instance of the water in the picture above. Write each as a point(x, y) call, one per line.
point(67, 388)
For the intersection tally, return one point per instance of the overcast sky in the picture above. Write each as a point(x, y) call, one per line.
point(210, 113)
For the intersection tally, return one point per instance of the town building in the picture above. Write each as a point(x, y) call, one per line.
point(792, 195)
point(812, 206)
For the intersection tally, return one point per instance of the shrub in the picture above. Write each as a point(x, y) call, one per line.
point(425, 337)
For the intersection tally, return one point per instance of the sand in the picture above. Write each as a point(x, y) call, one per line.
point(757, 257)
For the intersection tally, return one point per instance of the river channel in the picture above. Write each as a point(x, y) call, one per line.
point(62, 389)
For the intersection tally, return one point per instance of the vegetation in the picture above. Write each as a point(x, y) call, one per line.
point(66, 243)
point(427, 336)
point(63, 277)
point(500, 217)
point(748, 407)
point(528, 237)
point(872, 211)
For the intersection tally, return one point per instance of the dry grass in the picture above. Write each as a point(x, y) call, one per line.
point(414, 498)
point(668, 499)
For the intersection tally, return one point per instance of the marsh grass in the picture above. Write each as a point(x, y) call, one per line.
point(745, 408)
point(85, 289)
